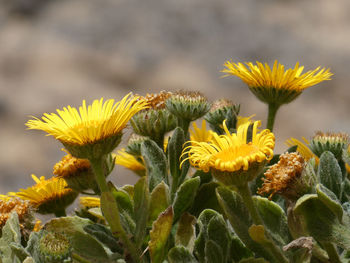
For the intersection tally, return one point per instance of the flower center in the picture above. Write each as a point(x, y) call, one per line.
point(232, 153)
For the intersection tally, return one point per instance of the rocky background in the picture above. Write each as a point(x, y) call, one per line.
point(57, 53)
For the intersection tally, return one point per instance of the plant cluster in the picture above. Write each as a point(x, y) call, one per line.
point(218, 195)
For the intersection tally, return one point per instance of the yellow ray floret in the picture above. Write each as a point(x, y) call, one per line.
point(91, 123)
point(200, 134)
point(44, 190)
point(232, 152)
point(89, 202)
point(302, 148)
point(129, 161)
point(260, 75)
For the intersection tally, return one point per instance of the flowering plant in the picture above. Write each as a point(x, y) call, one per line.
point(204, 195)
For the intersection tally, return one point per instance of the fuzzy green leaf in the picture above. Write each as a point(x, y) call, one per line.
point(253, 260)
point(174, 151)
point(321, 222)
point(206, 199)
point(239, 250)
point(275, 220)
point(213, 252)
point(160, 200)
point(202, 222)
point(329, 173)
point(185, 234)
point(141, 206)
point(156, 163)
point(180, 254)
point(330, 200)
point(236, 212)
point(219, 233)
point(10, 234)
point(159, 235)
point(185, 196)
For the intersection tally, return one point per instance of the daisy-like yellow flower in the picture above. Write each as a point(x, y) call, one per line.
point(302, 149)
point(48, 196)
point(89, 202)
point(130, 162)
point(276, 85)
point(230, 157)
point(200, 134)
point(243, 120)
point(100, 123)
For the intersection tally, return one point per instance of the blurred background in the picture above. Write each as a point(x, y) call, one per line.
point(57, 53)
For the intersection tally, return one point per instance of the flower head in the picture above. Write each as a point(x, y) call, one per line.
point(99, 123)
point(48, 196)
point(130, 162)
point(333, 142)
point(10, 204)
point(276, 85)
point(188, 105)
point(228, 154)
point(156, 120)
point(281, 178)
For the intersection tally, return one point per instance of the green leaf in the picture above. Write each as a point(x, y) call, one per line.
point(185, 234)
point(206, 199)
point(219, 233)
point(330, 200)
point(202, 222)
point(10, 234)
point(345, 191)
point(239, 250)
point(159, 235)
point(321, 222)
point(275, 220)
point(213, 252)
point(253, 260)
point(19, 251)
point(156, 163)
point(205, 177)
point(160, 200)
point(236, 212)
point(180, 254)
point(141, 206)
point(174, 151)
point(329, 173)
point(104, 235)
point(185, 196)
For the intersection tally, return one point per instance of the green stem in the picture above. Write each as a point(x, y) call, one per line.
point(332, 252)
point(246, 195)
point(273, 108)
point(184, 124)
point(110, 209)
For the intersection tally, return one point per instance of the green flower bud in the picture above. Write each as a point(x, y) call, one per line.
point(53, 247)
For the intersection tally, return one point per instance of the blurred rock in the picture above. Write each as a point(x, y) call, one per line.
point(57, 53)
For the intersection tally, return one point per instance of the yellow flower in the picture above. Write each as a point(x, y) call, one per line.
point(302, 148)
point(48, 196)
point(130, 162)
point(226, 154)
point(200, 134)
point(276, 85)
point(89, 202)
point(97, 123)
point(243, 120)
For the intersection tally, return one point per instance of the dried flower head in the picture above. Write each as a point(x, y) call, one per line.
point(10, 204)
point(280, 178)
point(156, 101)
point(277, 85)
